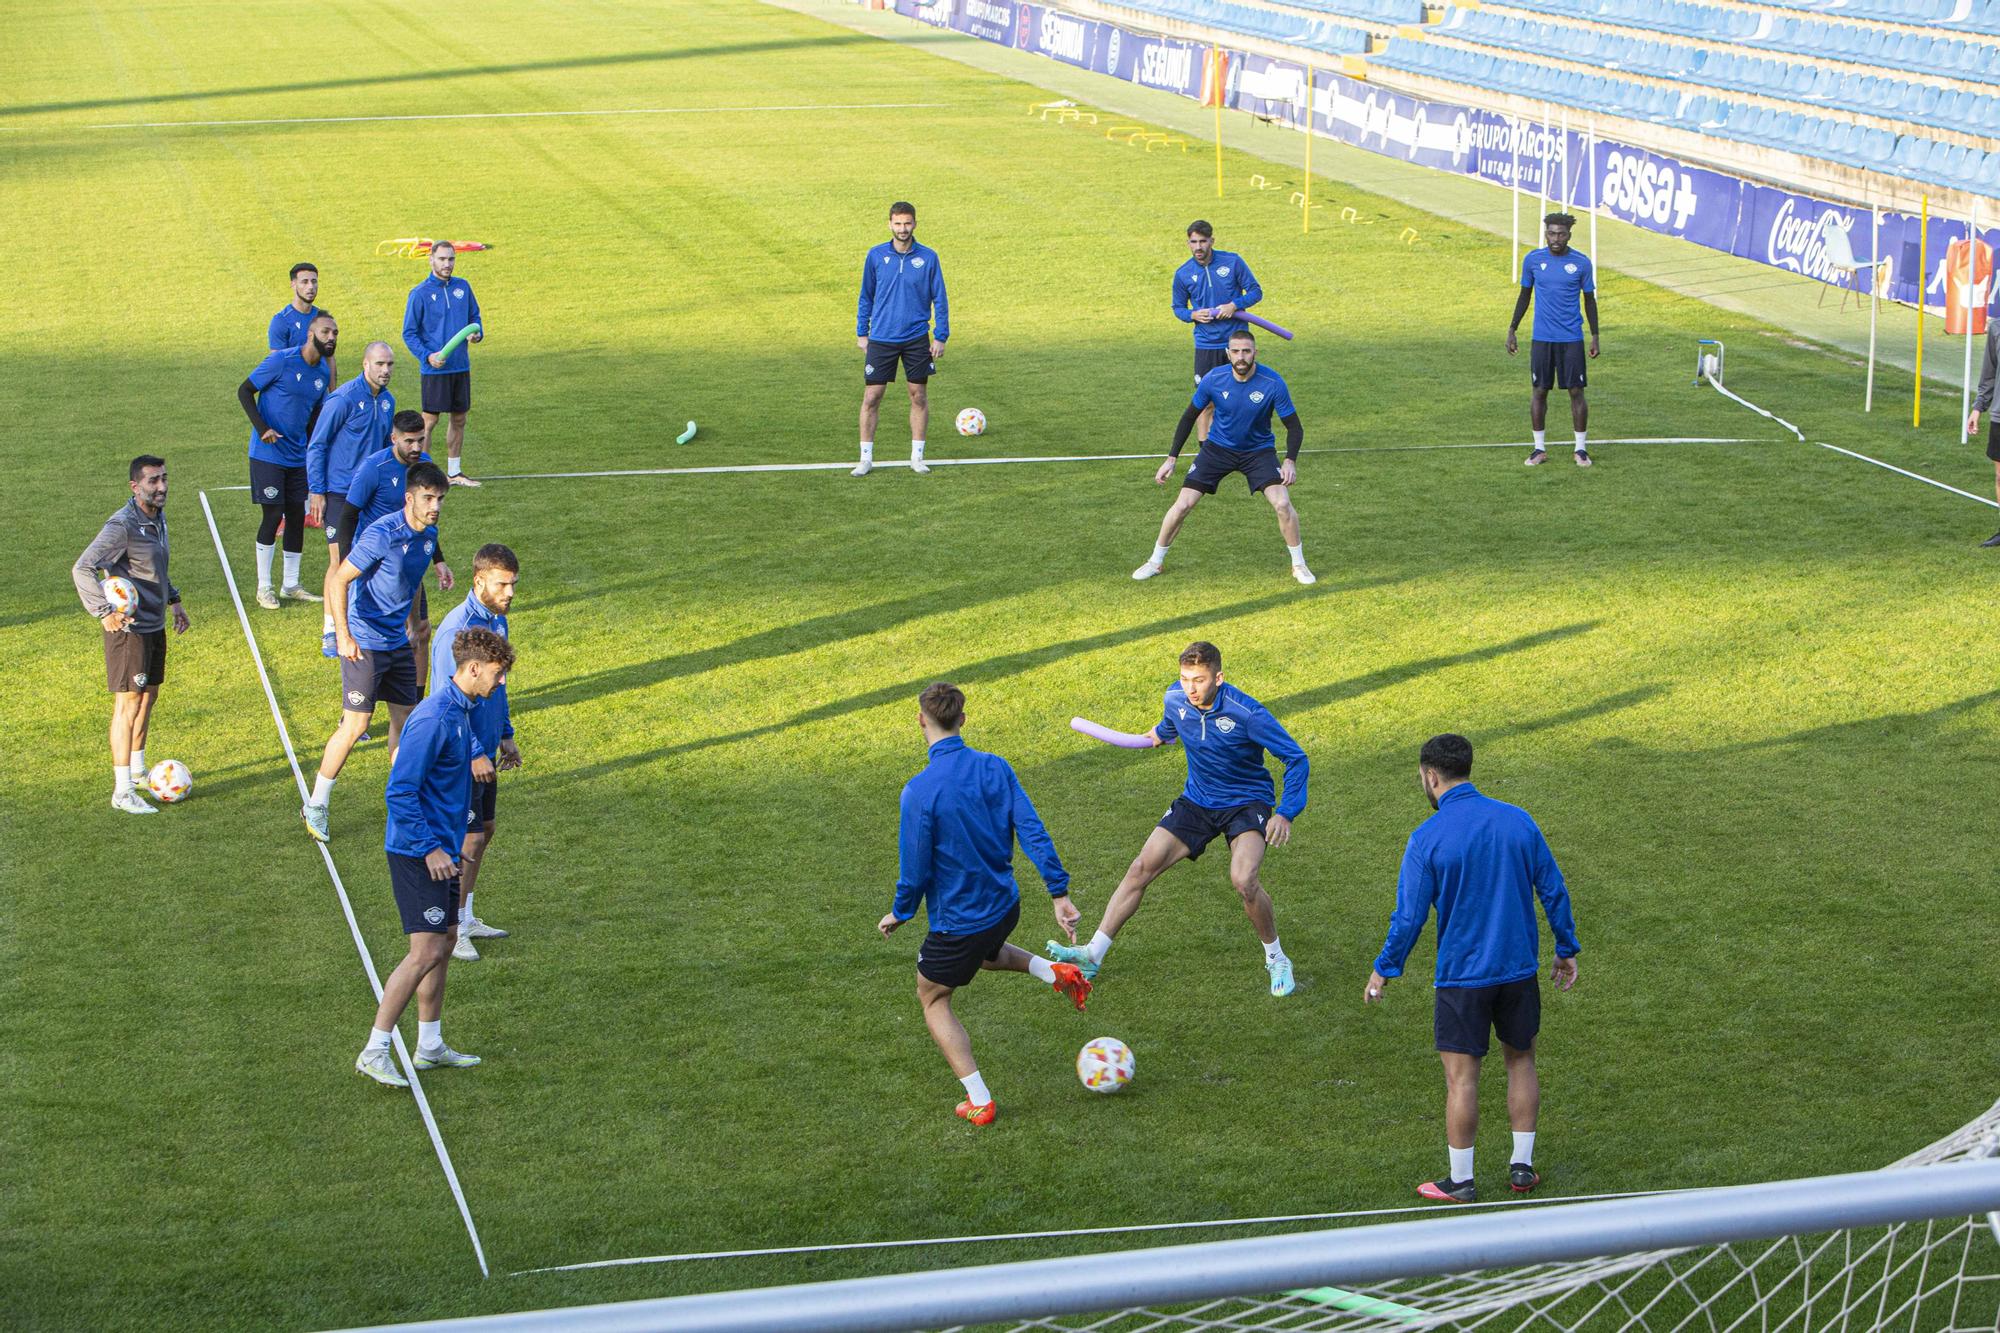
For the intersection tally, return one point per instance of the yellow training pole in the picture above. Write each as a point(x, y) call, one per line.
point(1923, 280)
point(1306, 222)
point(1215, 69)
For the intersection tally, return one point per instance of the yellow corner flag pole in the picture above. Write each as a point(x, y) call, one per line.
point(1306, 222)
point(1923, 280)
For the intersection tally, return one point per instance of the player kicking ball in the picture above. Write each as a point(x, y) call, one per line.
point(960, 817)
point(1245, 396)
point(1228, 795)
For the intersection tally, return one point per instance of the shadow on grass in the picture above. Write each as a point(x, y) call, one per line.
point(1407, 671)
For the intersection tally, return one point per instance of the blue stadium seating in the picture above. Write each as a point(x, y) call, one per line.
point(1325, 35)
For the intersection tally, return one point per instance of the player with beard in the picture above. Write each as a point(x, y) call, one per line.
point(282, 398)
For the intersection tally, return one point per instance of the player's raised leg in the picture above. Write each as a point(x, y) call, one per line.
point(1161, 852)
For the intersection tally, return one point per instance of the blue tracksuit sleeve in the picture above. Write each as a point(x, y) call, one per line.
point(1416, 890)
point(1555, 899)
point(1167, 730)
point(1183, 303)
point(1269, 733)
point(1035, 840)
point(415, 753)
point(324, 429)
point(941, 330)
point(913, 881)
point(866, 305)
point(1249, 293)
point(413, 327)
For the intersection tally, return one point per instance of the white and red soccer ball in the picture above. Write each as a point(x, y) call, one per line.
point(1104, 1064)
point(972, 421)
point(118, 591)
point(169, 781)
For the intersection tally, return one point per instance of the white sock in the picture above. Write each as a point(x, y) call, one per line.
point(1273, 951)
point(916, 451)
point(378, 1040)
point(429, 1038)
point(1100, 944)
point(1159, 555)
point(121, 776)
point(138, 765)
point(1524, 1147)
point(451, 467)
point(975, 1089)
point(322, 790)
point(1461, 1162)
point(465, 909)
point(868, 451)
point(1298, 553)
point(1541, 438)
point(1041, 969)
point(292, 559)
point(264, 564)
point(1580, 440)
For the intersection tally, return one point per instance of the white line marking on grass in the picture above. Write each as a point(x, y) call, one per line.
point(1077, 1231)
point(524, 115)
point(1914, 476)
point(346, 907)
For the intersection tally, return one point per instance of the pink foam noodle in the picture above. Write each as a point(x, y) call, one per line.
point(1265, 324)
point(1123, 739)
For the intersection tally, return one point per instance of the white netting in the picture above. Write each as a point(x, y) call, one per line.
point(1916, 1277)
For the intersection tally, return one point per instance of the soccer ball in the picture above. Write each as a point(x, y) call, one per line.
point(170, 781)
point(1104, 1064)
point(121, 594)
point(972, 421)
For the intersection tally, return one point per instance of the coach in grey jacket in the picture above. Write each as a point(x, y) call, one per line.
point(132, 545)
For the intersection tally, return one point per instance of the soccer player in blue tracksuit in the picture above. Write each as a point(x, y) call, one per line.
point(281, 397)
point(960, 818)
point(1554, 277)
point(372, 593)
point(439, 307)
point(495, 570)
point(1244, 397)
point(1208, 291)
point(289, 325)
point(429, 788)
point(375, 492)
point(901, 284)
point(353, 423)
point(1481, 863)
point(1225, 734)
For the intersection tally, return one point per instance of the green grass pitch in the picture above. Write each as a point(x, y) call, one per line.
point(1747, 689)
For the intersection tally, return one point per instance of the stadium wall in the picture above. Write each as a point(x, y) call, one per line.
point(1749, 219)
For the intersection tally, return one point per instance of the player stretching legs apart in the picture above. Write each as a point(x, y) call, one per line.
point(1554, 277)
point(960, 819)
point(429, 787)
point(133, 545)
point(901, 283)
point(378, 580)
point(1481, 863)
point(495, 570)
point(1983, 401)
point(1228, 794)
point(1244, 397)
point(438, 308)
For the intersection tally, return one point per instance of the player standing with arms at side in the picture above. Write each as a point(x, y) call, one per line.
point(495, 571)
point(354, 422)
point(1228, 795)
point(1554, 277)
point(282, 397)
point(378, 491)
point(960, 818)
point(901, 284)
point(133, 545)
point(1208, 291)
point(289, 325)
point(371, 613)
point(429, 787)
point(1482, 863)
point(1244, 396)
point(438, 308)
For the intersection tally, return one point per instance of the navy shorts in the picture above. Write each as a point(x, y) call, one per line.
point(880, 365)
point(953, 960)
point(485, 799)
point(339, 518)
point(428, 906)
point(1208, 358)
point(1197, 825)
point(1557, 365)
point(385, 675)
point(1215, 462)
point(276, 484)
point(1464, 1015)
point(446, 395)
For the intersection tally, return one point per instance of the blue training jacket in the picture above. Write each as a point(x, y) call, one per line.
point(1225, 750)
point(1223, 279)
point(353, 423)
point(960, 818)
point(1482, 862)
point(435, 311)
point(898, 291)
point(430, 780)
point(490, 720)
